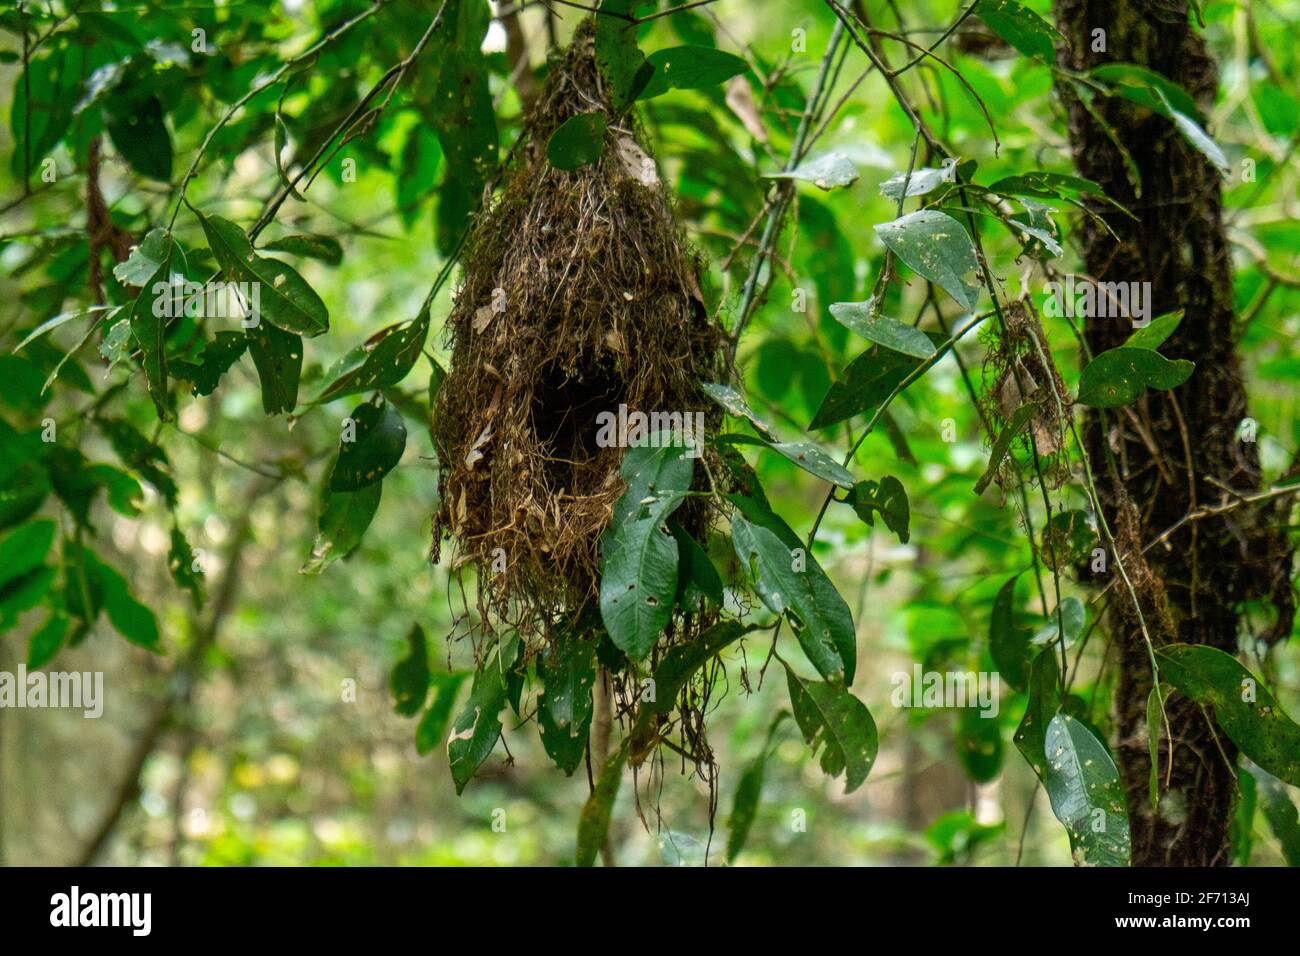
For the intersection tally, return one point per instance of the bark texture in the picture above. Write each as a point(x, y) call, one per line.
point(1173, 452)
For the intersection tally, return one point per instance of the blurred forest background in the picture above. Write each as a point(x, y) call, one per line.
point(248, 752)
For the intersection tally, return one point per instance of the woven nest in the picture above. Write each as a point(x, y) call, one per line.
point(579, 294)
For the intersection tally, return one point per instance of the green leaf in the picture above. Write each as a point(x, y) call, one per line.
point(108, 589)
point(1068, 538)
point(744, 806)
point(639, 576)
point(414, 183)
point(888, 498)
point(1280, 812)
point(1044, 701)
point(344, 518)
point(890, 333)
point(138, 130)
point(812, 459)
point(1009, 644)
point(1119, 376)
point(287, 301)
point(690, 68)
point(477, 727)
point(1021, 27)
point(620, 61)
point(1141, 86)
point(651, 469)
point(432, 729)
point(697, 579)
point(375, 448)
point(578, 141)
point(979, 745)
point(1196, 135)
point(1155, 730)
point(216, 359)
point(935, 247)
point(1071, 618)
point(1155, 334)
point(794, 584)
point(567, 671)
point(639, 554)
point(23, 550)
point(1003, 443)
point(734, 404)
point(919, 182)
point(145, 259)
point(867, 383)
point(23, 594)
point(677, 669)
point(832, 718)
point(382, 361)
point(181, 564)
point(49, 325)
point(829, 171)
point(462, 111)
point(1243, 706)
point(593, 825)
point(47, 641)
point(1086, 794)
point(150, 331)
point(311, 246)
point(277, 355)
point(1243, 819)
point(410, 678)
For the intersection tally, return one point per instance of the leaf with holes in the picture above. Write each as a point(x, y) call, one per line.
point(935, 247)
point(477, 727)
point(640, 557)
point(833, 719)
point(1021, 27)
point(277, 355)
point(1120, 376)
point(311, 246)
point(286, 300)
point(1245, 709)
point(888, 498)
point(690, 68)
point(1044, 694)
point(790, 582)
point(149, 327)
point(1086, 794)
point(382, 361)
point(890, 333)
point(812, 459)
point(372, 446)
point(577, 142)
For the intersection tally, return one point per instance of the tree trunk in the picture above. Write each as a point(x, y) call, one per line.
point(1172, 452)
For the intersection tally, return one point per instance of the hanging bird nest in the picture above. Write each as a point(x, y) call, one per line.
point(579, 295)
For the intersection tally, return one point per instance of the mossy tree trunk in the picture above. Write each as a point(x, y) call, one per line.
point(1171, 453)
